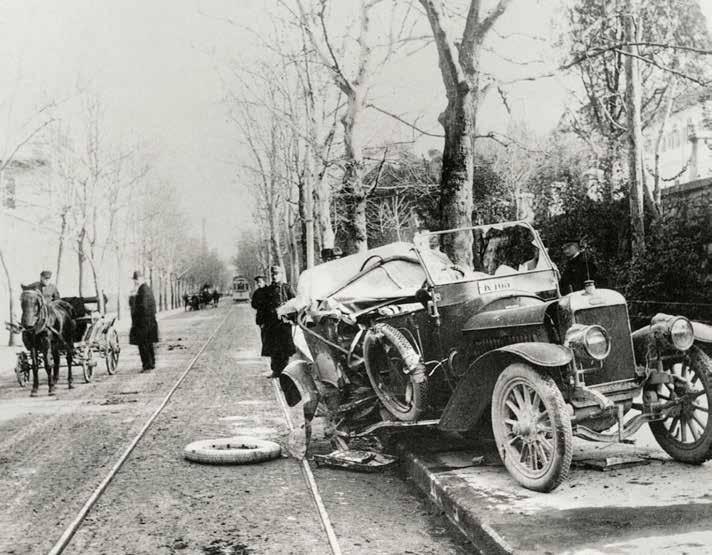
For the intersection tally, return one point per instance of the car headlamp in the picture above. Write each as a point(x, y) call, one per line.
point(589, 341)
point(674, 331)
point(681, 333)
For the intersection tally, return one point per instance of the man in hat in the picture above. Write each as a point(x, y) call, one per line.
point(277, 340)
point(44, 286)
point(578, 268)
point(259, 303)
point(144, 328)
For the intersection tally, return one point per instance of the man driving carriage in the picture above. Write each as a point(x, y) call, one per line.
point(45, 286)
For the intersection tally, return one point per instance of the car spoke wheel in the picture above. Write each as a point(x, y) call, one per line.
point(686, 434)
point(395, 372)
point(112, 351)
point(532, 428)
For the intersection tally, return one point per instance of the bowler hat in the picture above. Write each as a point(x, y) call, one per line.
point(45, 274)
point(137, 274)
point(260, 277)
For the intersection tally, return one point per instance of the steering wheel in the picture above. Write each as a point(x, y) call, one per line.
point(365, 262)
point(457, 268)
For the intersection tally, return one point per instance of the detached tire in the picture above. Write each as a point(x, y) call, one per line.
point(232, 450)
point(396, 372)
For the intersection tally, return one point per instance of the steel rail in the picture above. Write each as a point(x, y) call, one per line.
point(309, 479)
point(76, 523)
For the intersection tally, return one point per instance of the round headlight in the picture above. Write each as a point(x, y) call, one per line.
point(597, 343)
point(681, 333)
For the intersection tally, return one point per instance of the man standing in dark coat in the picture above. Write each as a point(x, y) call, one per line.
point(48, 290)
point(578, 269)
point(259, 303)
point(144, 328)
point(277, 340)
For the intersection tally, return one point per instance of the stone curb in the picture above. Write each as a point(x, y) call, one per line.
point(454, 496)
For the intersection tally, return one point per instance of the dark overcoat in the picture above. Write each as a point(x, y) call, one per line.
point(276, 334)
point(144, 328)
point(577, 270)
point(49, 291)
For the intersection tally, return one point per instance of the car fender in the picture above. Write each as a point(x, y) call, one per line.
point(646, 342)
point(474, 391)
point(703, 332)
point(298, 386)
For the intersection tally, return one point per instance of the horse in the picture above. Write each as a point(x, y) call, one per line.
point(46, 326)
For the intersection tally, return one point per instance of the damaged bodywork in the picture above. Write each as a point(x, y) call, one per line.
point(401, 337)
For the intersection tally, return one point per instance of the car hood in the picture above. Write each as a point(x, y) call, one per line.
point(508, 315)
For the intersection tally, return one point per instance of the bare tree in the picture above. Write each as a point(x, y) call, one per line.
point(461, 74)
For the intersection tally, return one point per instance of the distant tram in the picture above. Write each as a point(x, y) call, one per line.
point(240, 289)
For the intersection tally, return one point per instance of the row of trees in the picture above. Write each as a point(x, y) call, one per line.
point(98, 201)
point(304, 108)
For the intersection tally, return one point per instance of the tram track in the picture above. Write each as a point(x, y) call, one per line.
point(70, 530)
point(150, 500)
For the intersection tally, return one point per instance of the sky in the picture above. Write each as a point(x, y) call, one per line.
point(159, 68)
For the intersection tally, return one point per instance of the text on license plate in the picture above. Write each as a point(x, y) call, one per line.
point(493, 285)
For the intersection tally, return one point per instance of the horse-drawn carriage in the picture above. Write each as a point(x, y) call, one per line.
point(93, 336)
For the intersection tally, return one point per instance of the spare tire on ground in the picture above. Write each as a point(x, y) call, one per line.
point(232, 450)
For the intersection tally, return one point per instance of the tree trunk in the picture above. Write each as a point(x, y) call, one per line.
point(635, 144)
point(11, 300)
point(353, 189)
point(458, 175)
point(81, 257)
point(60, 248)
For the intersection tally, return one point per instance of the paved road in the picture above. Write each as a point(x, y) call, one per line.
point(54, 452)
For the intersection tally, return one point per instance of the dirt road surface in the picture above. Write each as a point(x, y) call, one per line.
point(55, 451)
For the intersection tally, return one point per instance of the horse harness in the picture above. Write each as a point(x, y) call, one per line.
point(42, 323)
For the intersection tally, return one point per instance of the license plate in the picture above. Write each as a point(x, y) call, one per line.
point(493, 285)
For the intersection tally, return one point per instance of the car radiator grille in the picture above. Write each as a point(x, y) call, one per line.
point(620, 363)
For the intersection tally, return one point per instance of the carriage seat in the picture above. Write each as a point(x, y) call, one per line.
point(80, 313)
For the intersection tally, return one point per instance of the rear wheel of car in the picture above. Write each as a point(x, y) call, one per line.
point(396, 372)
point(686, 434)
point(532, 428)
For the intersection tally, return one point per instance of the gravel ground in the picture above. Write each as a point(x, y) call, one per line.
point(53, 453)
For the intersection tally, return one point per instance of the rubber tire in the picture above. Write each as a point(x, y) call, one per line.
point(701, 450)
point(112, 340)
point(87, 367)
point(555, 406)
point(419, 400)
point(232, 450)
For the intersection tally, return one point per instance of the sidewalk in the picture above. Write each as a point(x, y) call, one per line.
point(657, 505)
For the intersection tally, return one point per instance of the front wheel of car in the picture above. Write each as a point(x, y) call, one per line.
point(532, 428)
point(396, 372)
point(686, 434)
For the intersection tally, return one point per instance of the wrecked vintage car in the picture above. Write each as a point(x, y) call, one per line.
point(402, 336)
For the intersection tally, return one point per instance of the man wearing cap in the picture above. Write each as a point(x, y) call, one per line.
point(277, 335)
point(48, 290)
point(144, 328)
point(578, 268)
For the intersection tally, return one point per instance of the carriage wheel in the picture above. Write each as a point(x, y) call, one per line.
point(22, 369)
point(87, 364)
point(112, 351)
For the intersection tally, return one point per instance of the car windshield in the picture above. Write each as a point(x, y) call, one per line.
point(497, 250)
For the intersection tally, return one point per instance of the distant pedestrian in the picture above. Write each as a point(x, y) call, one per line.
point(578, 269)
point(144, 328)
point(45, 286)
point(277, 340)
